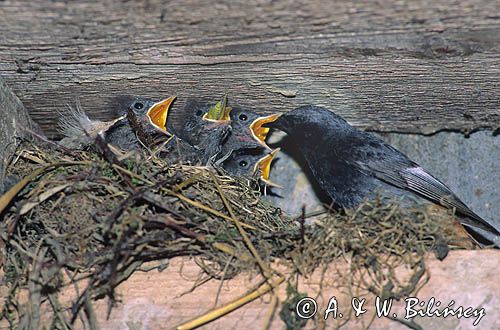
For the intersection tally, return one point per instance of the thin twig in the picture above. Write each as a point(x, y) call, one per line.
point(264, 268)
point(235, 304)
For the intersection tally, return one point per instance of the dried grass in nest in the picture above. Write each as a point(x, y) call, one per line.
point(100, 219)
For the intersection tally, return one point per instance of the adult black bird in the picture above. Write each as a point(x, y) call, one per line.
point(352, 165)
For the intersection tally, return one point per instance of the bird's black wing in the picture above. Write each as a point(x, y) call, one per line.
point(379, 159)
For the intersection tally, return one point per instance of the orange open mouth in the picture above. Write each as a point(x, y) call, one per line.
point(259, 132)
point(264, 166)
point(158, 113)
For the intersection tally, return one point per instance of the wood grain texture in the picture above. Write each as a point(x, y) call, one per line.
point(419, 66)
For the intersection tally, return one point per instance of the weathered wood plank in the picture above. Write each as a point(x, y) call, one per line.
point(13, 124)
point(392, 66)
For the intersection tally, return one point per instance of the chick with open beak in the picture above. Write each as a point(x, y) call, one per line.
point(144, 120)
point(153, 115)
point(138, 121)
point(249, 163)
point(198, 125)
point(245, 149)
point(247, 130)
point(232, 138)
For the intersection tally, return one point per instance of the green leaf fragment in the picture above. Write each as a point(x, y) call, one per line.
point(220, 111)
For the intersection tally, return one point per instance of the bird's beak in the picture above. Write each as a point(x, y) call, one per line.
point(259, 132)
point(263, 165)
point(219, 112)
point(224, 118)
point(158, 113)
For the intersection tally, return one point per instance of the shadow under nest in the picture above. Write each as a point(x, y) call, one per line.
point(88, 218)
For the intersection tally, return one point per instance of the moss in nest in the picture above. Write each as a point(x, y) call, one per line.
point(101, 219)
point(288, 312)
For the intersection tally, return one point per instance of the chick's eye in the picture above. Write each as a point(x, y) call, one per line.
point(138, 105)
point(243, 117)
point(199, 113)
point(243, 163)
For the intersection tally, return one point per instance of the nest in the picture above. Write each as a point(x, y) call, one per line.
point(90, 217)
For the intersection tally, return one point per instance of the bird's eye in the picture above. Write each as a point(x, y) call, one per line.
point(199, 113)
point(243, 117)
point(138, 105)
point(243, 163)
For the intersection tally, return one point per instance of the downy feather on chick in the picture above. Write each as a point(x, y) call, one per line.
point(79, 130)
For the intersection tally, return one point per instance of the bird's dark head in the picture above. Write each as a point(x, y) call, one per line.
point(195, 118)
point(139, 105)
point(242, 118)
point(153, 115)
point(188, 118)
point(247, 126)
point(307, 120)
point(249, 162)
point(191, 125)
point(147, 113)
point(241, 162)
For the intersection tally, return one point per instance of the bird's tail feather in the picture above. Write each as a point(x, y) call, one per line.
point(483, 236)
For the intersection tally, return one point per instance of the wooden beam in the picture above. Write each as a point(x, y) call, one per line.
point(415, 67)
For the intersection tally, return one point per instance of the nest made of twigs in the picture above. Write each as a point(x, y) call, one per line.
point(91, 217)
